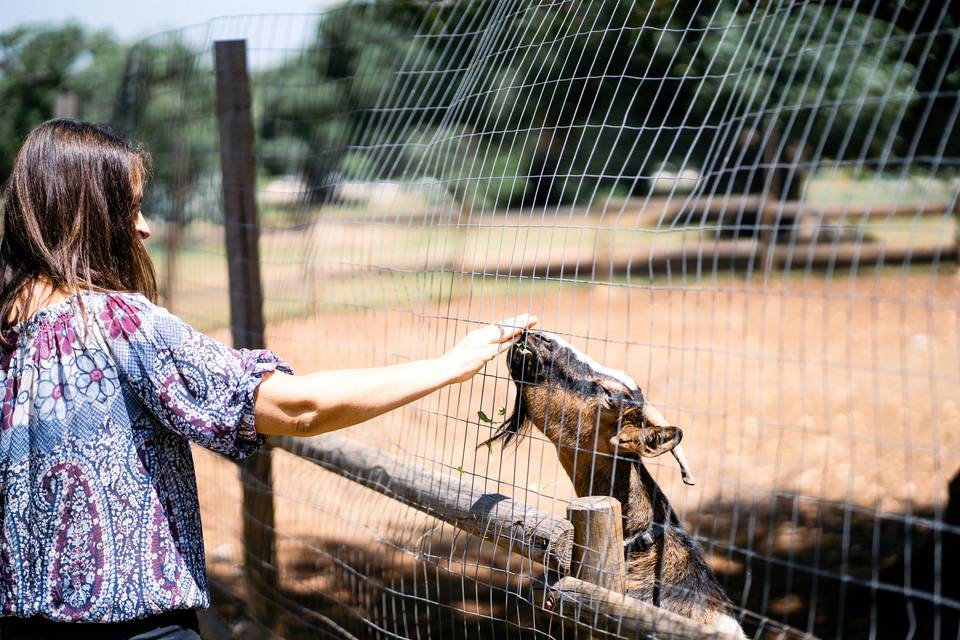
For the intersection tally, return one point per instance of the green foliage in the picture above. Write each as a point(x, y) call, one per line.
point(324, 98)
point(562, 102)
point(547, 103)
point(36, 63)
point(816, 74)
point(168, 104)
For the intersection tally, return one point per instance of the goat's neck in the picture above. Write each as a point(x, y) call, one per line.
point(628, 481)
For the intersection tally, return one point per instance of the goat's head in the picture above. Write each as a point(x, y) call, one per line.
point(581, 405)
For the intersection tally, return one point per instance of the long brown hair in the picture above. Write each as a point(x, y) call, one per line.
point(69, 214)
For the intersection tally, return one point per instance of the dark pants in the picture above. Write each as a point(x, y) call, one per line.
point(172, 625)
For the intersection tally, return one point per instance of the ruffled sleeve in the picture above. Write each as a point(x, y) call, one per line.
point(194, 385)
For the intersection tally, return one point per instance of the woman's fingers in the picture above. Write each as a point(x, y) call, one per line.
point(506, 345)
point(510, 328)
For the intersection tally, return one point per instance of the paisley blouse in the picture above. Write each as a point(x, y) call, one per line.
point(101, 394)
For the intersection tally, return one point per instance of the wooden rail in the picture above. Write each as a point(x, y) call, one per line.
point(725, 254)
point(513, 526)
point(582, 603)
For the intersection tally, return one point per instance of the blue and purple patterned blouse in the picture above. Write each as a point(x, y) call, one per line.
point(98, 498)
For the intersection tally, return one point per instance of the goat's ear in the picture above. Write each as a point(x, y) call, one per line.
point(647, 441)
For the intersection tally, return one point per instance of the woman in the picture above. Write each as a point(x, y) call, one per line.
point(101, 391)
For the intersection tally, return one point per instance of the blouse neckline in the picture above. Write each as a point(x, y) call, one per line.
point(33, 319)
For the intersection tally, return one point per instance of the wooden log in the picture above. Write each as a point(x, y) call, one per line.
point(598, 541)
point(246, 307)
point(582, 603)
point(513, 526)
point(724, 254)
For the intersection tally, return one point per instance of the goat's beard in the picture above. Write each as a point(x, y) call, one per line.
point(513, 426)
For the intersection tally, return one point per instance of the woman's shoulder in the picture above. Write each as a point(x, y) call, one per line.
point(124, 314)
point(102, 298)
point(120, 302)
point(81, 306)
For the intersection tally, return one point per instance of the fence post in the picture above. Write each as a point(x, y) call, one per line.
point(66, 104)
point(246, 306)
point(174, 229)
point(598, 542)
point(767, 215)
point(956, 230)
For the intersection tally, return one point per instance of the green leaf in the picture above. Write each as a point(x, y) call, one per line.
point(490, 448)
point(484, 417)
point(501, 411)
point(460, 469)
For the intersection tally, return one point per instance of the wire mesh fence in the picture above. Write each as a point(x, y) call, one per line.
point(751, 209)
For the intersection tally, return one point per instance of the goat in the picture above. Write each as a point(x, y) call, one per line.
point(602, 427)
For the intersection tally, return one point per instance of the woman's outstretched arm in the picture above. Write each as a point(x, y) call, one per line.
point(307, 405)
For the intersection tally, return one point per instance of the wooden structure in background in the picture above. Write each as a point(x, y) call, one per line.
point(66, 105)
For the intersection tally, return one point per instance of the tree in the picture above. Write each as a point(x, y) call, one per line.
point(166, 102)
point(322, 102)
point(37, 62)
point(550, 103)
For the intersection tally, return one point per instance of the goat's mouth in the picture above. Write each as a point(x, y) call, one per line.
point(526, 356)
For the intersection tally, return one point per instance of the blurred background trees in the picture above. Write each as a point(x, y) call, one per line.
point(553, 103)
point(558, 102)
point(38, 62)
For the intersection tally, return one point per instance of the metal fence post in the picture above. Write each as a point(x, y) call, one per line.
point(246, 306)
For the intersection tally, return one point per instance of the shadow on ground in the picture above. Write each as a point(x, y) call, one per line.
point(827, 570)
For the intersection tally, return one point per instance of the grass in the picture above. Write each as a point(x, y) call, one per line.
point(831, 186)
point(358, 258)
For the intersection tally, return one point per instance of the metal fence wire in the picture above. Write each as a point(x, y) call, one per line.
point(749, 208)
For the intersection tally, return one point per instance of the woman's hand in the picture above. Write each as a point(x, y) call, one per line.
point(482, 345)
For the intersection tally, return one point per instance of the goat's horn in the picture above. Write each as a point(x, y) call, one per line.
point(677, 452)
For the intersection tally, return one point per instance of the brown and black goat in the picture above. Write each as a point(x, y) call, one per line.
point(602, 428)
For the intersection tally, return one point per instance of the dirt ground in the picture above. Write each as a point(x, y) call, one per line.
point(821, 419)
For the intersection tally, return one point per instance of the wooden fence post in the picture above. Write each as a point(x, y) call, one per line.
point(956, 237)
point(246, 306)
point(598, 542)
point(767, 214)
point(66, 105)
point(174, 229)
